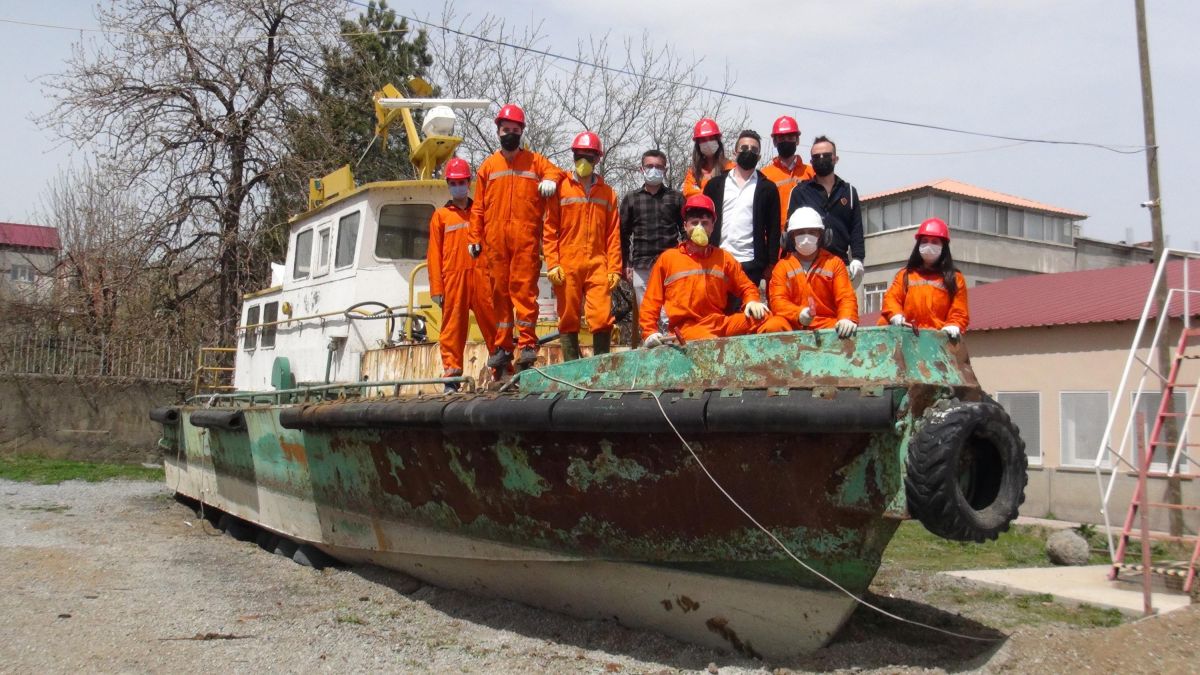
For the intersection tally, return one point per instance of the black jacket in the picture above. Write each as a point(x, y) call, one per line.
point(841, 212)
point(766, 217)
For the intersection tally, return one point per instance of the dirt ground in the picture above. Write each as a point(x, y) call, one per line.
point(117, 576)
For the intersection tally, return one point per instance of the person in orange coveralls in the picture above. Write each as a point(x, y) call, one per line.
point(787, 170)
point(708, 158)
point(810, 287)
point(582, 246)
point(506, 223)
point(693, 283)
point(458, 283)
point(929, 292)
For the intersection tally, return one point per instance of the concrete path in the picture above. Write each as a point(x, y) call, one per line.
point(1078, 585)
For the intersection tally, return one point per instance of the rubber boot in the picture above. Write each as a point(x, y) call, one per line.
point(600, 343)
point(570, 346)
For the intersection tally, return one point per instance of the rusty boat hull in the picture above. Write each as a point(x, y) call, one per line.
point(576, 495)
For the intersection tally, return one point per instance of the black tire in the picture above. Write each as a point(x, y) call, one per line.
point(285, 547)
point(311, 556)
point(966, 472)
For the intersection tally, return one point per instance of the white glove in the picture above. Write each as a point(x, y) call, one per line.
point(806, 316)
point(437, 300)
point(654, 340)
point(855, 268)
point(897, 320)
point(474, 250)
point(547, 188)
point(952, 331)
point(846, 328)
point(755, 310)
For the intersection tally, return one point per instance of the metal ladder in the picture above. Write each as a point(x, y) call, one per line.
point(1137, 456)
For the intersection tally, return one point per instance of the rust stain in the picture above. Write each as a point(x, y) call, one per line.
point(666, 604)
point(294, 452)
point(720, 626)
point(687, 604)
point(380, 538)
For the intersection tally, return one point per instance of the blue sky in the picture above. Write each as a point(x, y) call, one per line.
point(1061, 70)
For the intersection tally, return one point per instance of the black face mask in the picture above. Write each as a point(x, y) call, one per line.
point(787, 149)
point(510, 142)
point(747, 159)
point(823, 166)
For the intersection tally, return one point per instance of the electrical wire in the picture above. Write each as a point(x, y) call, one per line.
point(742, 509)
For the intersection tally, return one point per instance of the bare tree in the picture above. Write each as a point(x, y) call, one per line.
point(186, 101)
point(637, 95)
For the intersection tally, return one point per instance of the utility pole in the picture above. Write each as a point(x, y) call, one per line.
point(1174, 493)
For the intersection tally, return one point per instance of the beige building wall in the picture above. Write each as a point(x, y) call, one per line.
point(1051, 360)
point(42, 266)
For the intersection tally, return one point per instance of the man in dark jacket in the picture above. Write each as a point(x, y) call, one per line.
point(837, 202)
point(747, 224)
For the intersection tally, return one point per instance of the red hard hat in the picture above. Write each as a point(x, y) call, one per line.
point(511, 113)
point(587, 140)
point(934, 227)
point(706, 128)
point(700, 202)
point(458, 169)
point(785, 125)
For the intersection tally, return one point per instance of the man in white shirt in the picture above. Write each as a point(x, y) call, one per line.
point(747, 224)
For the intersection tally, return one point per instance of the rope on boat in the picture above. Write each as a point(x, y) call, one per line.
point(746, 513)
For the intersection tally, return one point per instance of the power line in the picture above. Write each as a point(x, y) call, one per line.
point(1111, 147)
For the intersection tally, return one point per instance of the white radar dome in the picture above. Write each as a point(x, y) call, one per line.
point(439, 121)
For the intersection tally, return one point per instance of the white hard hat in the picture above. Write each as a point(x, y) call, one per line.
point(805, 218)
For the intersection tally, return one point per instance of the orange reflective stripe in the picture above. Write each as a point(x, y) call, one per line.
point(691, 273)
point(456, 226)
point(513, 172)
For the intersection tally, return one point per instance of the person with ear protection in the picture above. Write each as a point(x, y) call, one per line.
point(511, 190)
point(692, 283)
point(929, 292)
point(582, 246)
point(458, 283)
point(810, 288)
point(708, 157)
point(837, 202)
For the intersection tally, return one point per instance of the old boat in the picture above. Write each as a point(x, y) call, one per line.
point(667, 489)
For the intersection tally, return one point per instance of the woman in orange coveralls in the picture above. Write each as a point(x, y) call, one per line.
point(810, 287)
point(693, 282)
point(929, 292)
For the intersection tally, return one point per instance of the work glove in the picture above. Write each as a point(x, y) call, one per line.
point(897, 320)
point(654, 340)
point(547, 188)
point(474, 250)
point(556, 275)
point(846, 328)
point(952, 331)
point(613, 280)
point(756, 310)
point(806, 316)
point(855, 268)
point(437, 300)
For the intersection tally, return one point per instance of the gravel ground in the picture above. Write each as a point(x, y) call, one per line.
point(119, 577)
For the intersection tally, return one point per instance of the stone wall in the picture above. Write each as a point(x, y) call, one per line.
point(81, 418)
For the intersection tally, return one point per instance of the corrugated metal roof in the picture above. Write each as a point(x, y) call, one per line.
point(29, 236)
point(1090, 296)
point(962, 189)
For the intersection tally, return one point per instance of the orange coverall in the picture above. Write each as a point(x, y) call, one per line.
point(694, 291)
point(785, 179)
point(691, 187)
point(507, 219)
point(583, 236)
point(825, 288)
point(926, 303)
point(463, 283)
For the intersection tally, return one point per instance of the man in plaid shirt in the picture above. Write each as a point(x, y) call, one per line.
point(651, 221)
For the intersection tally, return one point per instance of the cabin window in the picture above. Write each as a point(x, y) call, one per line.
point(251, 337)
point(403, 231)
point(347, 240)
point(323, 241)
point(1024, 407)
point(303, 264)
point(270, 314)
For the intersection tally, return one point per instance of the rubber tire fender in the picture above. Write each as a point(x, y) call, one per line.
point(966, 472)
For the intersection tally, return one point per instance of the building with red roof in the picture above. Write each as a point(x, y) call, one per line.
point(28, 255)
point(1052, 349)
